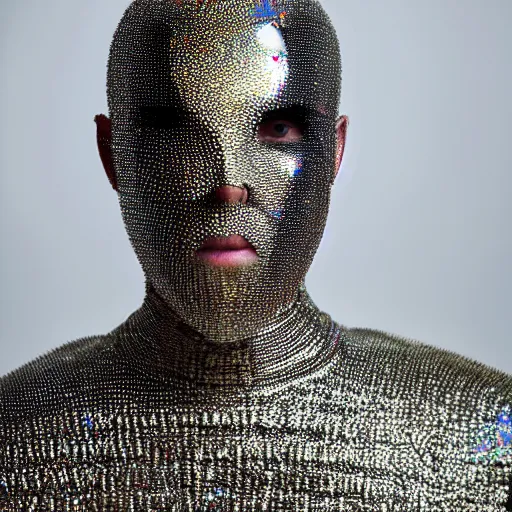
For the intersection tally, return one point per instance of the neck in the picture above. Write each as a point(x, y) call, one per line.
point(297, 342)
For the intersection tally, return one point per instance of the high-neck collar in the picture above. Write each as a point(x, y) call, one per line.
point(298, 342)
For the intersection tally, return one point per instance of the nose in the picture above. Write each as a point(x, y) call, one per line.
point(231, 194)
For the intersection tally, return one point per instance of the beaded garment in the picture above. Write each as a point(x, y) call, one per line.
point(228, 390)
point(358, 420)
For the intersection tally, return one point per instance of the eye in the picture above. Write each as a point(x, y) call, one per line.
point(283, 125)
point(162, 117)
point(280, 130)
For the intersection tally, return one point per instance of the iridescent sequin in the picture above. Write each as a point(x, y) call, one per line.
point(231, 390)
point(494, 441)
point(264, 9)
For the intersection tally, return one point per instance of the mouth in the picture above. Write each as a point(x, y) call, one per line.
point(231, 251)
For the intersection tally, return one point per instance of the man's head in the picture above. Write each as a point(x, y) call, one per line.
point(224, 125)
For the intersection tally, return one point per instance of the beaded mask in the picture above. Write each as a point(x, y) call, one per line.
point(189, 82)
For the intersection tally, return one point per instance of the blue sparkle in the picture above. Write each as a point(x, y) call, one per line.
point(88, 422)
point(504, 427)
point(504, 419)
point(494, 441)
point(300, 166)
point(484, 447)
point(265, 10)
point(506, 437)
point(277, 214)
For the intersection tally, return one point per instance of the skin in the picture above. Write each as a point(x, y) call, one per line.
point(282, 131)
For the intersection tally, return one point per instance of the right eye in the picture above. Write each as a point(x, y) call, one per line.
point(280, 131)
point(285, 125)
point(161, 118)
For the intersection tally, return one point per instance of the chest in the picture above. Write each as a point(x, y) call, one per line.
point(298, 450)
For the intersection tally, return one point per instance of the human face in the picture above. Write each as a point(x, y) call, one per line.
point(245, 98)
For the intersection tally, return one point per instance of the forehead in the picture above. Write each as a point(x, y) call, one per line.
point(231, 53)
point(231, 60)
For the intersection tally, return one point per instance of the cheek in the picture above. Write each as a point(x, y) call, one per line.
point(270, 175)
point(183, 165)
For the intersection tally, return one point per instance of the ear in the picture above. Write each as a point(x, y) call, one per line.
point(104, 139)
point(341, 137)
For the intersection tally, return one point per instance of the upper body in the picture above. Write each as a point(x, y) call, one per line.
point(228, 389)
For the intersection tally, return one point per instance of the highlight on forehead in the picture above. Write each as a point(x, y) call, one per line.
point(151, 30)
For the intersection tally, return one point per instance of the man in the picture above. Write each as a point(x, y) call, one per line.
point(228, 389)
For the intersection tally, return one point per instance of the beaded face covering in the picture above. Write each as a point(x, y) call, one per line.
point(189, 83)
point(297, 412)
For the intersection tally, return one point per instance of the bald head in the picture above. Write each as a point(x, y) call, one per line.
point(156, 36)
point(224, 96)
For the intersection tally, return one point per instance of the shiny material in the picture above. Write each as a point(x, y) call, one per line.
point(229, 390)
point(495, 439)
point(364, 422)
point(188, 87)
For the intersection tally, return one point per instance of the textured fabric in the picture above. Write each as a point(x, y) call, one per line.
point(189, 86)
point(228, 390)
point(368, 421)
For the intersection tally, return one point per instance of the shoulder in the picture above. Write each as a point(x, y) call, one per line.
point(418, 359)
point(413, 376)
point(52, 378)
point(448, 414)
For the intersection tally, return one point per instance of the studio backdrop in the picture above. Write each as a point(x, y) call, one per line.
point(419, 238)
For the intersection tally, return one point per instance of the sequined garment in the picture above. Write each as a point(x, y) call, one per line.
point(363, 421)
point(228, 390)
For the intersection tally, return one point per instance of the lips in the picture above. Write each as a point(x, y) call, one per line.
point(231, 251)
point(231, 243)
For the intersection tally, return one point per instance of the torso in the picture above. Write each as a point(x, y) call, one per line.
point(385, 425)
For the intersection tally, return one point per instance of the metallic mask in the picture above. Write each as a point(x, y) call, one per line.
point(297, 412)
point(189, 82)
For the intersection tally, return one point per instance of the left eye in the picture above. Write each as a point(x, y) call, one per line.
point(280, 131)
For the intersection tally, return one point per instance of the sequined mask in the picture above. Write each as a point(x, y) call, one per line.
point(189, 83)
point(296, 412)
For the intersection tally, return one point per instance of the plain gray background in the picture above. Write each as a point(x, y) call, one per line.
point(418, 241)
